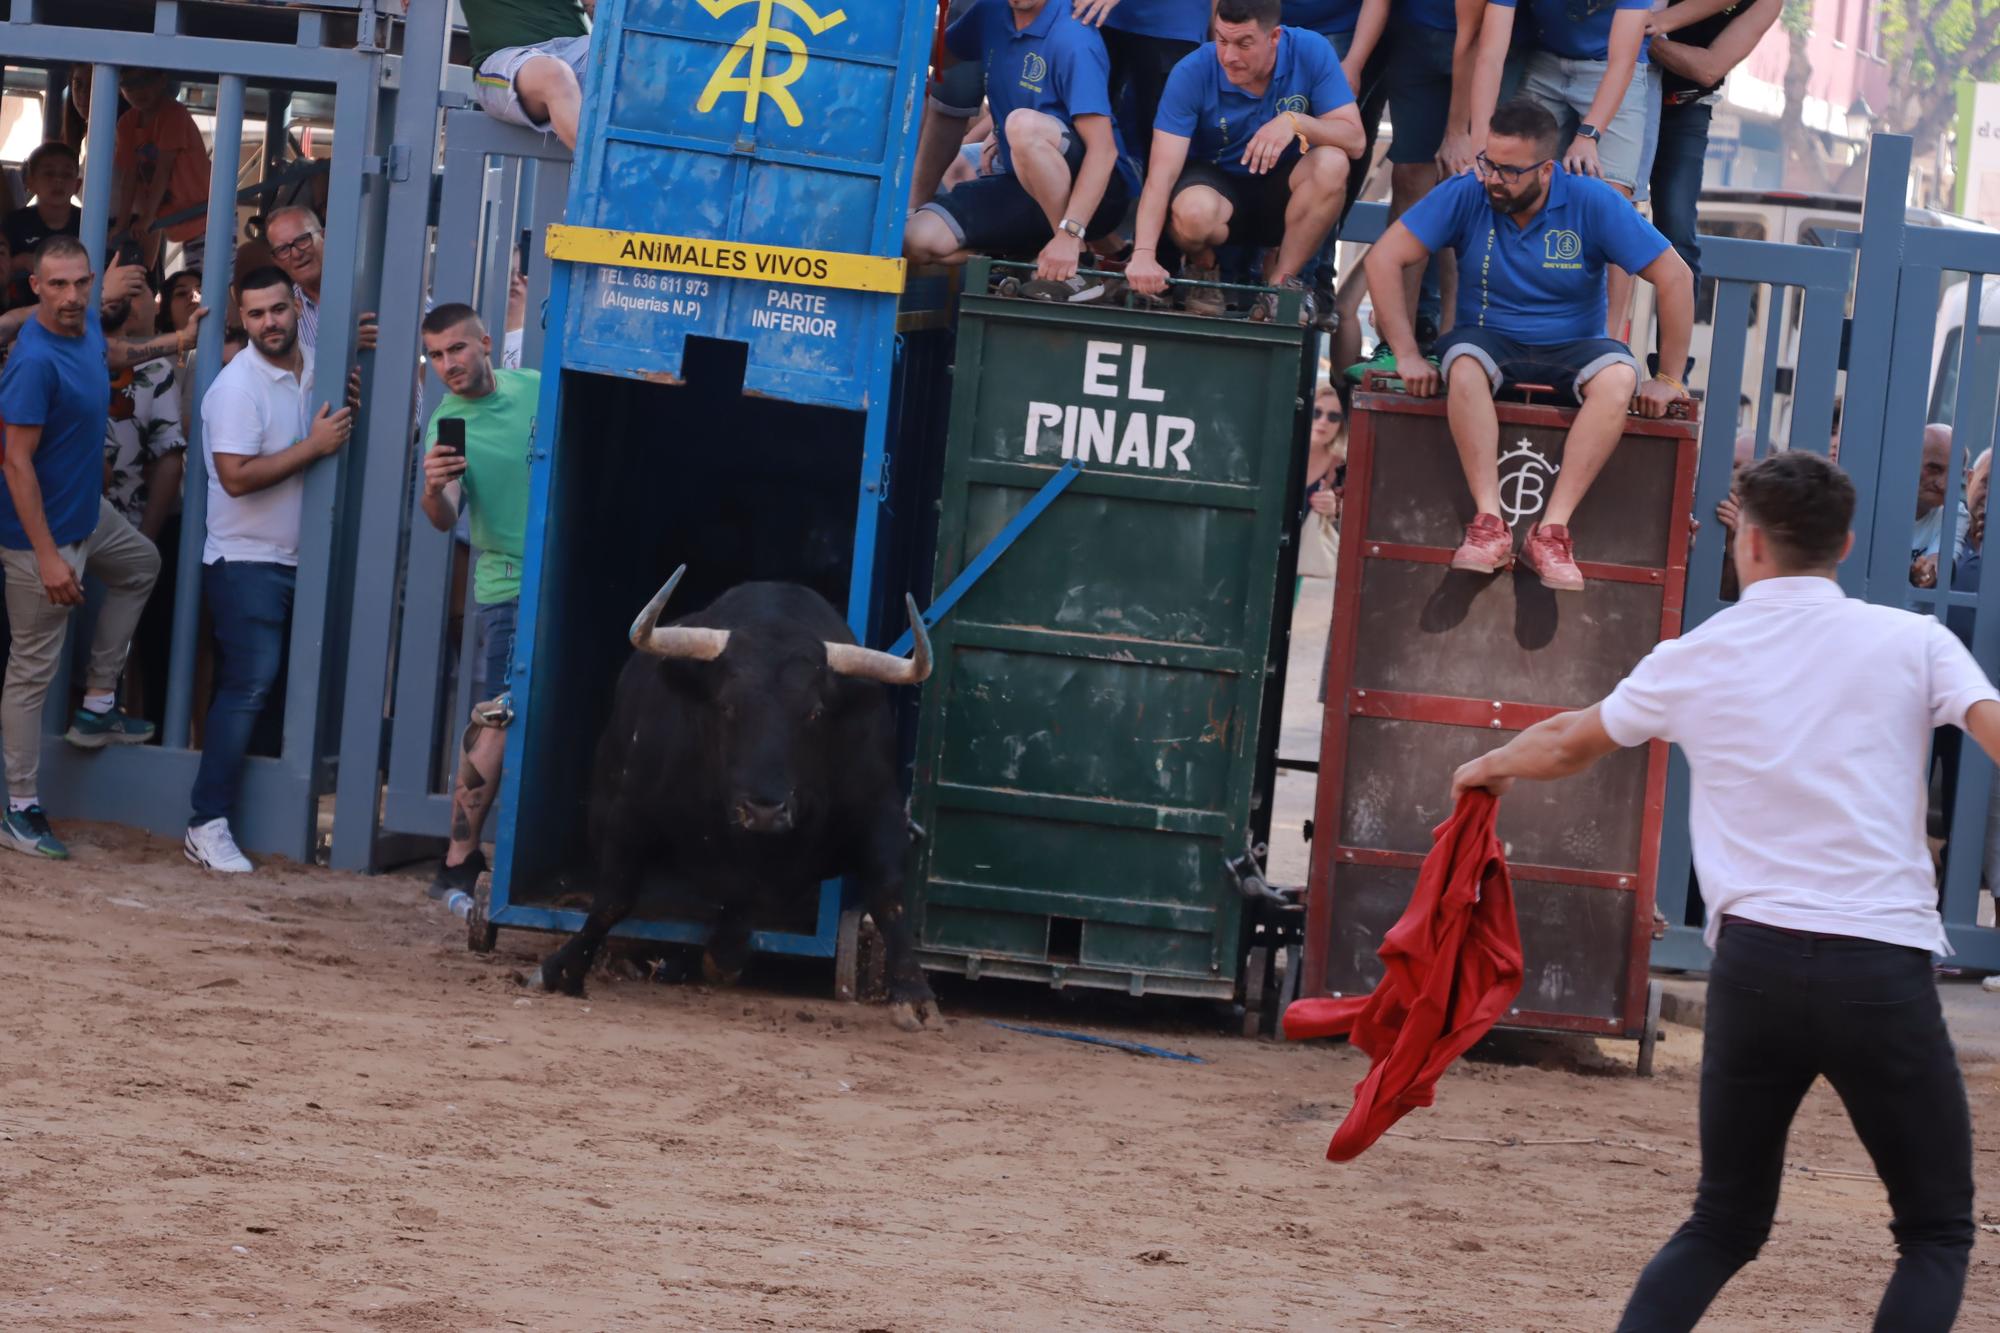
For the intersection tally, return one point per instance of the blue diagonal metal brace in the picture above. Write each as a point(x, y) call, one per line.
point(996, 548)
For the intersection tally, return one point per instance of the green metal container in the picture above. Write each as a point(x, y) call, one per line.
point(1097, 740)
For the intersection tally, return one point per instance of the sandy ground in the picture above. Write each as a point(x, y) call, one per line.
point(298, 1102)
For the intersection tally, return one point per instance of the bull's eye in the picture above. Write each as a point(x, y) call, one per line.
point(818, 712)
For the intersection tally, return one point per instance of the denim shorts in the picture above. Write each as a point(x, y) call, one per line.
point(1417, 76)
point(496, 649)
point(493, 81)
point(1566, 87)
point(1566, 367)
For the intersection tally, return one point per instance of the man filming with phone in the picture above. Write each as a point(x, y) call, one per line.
point(478, 458)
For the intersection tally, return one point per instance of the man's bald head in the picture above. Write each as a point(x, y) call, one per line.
point(1936, 467)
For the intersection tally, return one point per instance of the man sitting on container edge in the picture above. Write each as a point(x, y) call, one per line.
point(1052, 177)
point(1248, 109)
point(1532, 241)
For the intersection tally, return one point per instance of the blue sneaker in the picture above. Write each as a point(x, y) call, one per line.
point(94, 731)
point(28, 831)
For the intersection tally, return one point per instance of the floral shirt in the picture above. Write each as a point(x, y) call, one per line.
point(145, 425)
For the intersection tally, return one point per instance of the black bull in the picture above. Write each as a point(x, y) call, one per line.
point(751, 750)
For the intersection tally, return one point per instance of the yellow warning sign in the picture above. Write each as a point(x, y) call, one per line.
point(725, 259)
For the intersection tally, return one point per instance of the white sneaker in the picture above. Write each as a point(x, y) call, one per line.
point(210, 847)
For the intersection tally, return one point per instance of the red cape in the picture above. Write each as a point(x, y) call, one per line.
point(1453, 968)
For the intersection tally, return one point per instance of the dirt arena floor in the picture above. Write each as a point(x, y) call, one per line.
point(297, 1102)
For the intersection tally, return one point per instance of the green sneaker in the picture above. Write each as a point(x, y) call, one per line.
point(28, 831)
point(94, 731)
point(1384, 360)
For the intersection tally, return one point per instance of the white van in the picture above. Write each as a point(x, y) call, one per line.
point(1800, 219)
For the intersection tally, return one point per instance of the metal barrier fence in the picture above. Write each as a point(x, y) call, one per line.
point(1885, 351)
point(497, 181)
point(284, 50)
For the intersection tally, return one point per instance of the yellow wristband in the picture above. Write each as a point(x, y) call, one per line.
point(1665, 378)
point(1305, 145)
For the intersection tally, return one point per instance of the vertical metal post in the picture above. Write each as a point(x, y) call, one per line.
point(217, 263)
point(1876, 281)
point(102, 145)
point(277, 118)
point(55, 90)
point(382, 489)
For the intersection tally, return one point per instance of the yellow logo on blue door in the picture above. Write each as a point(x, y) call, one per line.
point(755, 47)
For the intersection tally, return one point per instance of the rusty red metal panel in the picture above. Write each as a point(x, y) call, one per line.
point(1428, 668)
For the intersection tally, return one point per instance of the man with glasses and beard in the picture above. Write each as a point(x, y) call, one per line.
point(260, 437)
point(1532, 242)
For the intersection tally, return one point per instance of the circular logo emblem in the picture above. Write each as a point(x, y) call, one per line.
point(1298, 102)
point(1034, 69)
point(1564, 245)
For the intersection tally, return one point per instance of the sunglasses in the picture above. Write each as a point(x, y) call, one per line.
point(1321, 414)
point(1488, 167)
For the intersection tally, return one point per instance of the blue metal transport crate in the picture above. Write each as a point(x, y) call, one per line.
point(724, 377)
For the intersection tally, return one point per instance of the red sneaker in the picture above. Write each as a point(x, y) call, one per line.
point(1488, 547)
point(1550, 553)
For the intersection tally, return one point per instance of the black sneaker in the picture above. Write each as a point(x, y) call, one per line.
point(1325, 301)
point(1077, 290)
point(459, 878)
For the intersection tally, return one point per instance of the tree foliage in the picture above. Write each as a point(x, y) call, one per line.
point(1931, 46)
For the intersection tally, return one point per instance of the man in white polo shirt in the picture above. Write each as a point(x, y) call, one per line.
point(260, 436)
point(1806, 720)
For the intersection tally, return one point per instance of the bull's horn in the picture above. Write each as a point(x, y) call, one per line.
point(683, 641)
point(869, 664)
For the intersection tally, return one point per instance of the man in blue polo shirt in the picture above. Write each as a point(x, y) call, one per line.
point(1356, 30)
point(1053, 180)
point(1592, 72)
point(1532, 241)
point(1251, 147)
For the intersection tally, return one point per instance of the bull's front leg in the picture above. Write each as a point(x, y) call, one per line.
point(617, 892)
point(912, 1006)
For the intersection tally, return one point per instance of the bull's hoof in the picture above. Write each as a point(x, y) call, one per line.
point(916, 1015)
point(715, 974)
point(533, 978)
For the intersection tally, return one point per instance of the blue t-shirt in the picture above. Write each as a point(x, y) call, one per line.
point(1542, 283)
point(1439, 14)
point(1325, 17)
point(1586, 38)
point(1200, 104)
point(1054, 65)
point(62, 385)
point(1176, 20)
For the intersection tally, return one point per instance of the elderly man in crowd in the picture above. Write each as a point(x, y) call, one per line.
point(298, 244)
point(1927, 537)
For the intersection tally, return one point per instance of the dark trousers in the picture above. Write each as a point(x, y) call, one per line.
point(1676, 183)
point(1784, 1009)
point(251, 605)
point(1139, 69)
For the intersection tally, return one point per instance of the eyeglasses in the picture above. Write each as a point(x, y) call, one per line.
point(1488, 167)
point(298, 247)
point(1321, 414)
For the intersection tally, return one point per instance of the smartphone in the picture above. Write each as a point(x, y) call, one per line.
point(451, 435)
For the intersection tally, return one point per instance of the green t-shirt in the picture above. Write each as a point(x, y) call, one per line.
point(495, 25)
point(498, 429)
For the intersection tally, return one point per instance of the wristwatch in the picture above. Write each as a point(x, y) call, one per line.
point(1073, 228)
point(1590, 132)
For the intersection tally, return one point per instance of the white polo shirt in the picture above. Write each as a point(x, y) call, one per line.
point(1806, 719)
point(255, 407)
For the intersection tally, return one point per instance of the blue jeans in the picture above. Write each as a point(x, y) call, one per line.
point(251, 605)
point(1677, 166)
point(496, 648)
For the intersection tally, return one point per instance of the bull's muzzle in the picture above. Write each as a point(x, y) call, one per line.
point(761, 817)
